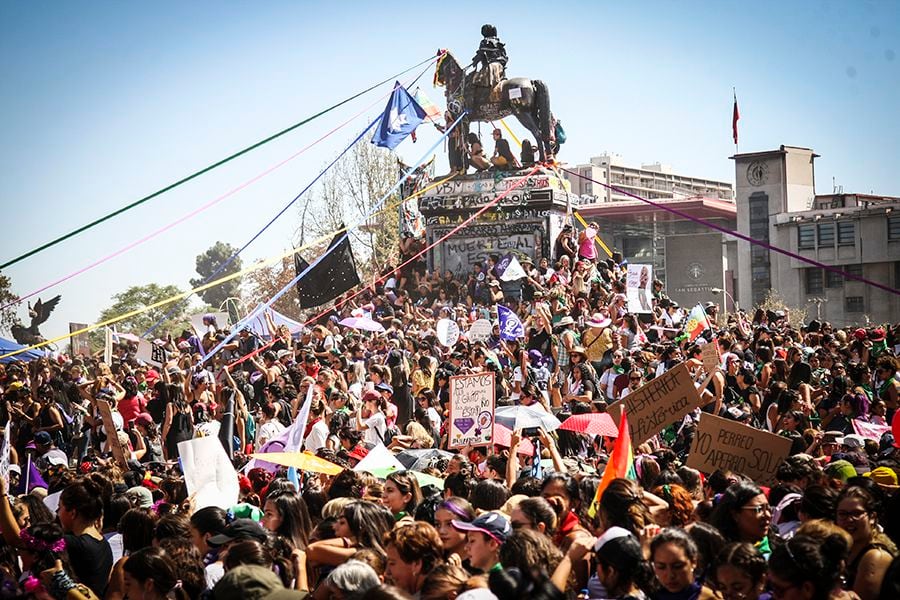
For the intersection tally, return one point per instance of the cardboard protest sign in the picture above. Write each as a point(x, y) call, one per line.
point(658, 403)
point(4, 457)
point(109, 427)
point(151, 353)
point(81, 345)
point(108, 346)
point(208, 474)
point(710, 356)
point(724, 444)
point(471, 409)
point(638, 290)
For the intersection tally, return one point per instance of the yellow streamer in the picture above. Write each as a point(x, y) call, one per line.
point(211, 284)
point(511, 134)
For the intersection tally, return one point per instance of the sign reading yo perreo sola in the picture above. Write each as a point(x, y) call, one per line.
point(471, 410)
point(658, 403)
point(728, 445)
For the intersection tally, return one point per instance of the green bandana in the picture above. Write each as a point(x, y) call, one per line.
point(763, 547)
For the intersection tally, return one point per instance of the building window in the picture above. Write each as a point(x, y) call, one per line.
point(893, 228)
point(833, 280)
point(806, 237)
point(897, 274)
point(826, 234)
point(854, 269)
point(846, 233)
point(854, 304)
point(814, 282)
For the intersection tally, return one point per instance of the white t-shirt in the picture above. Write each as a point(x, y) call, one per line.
point(516, 378)
point(267, 431)
point(317, 436)
point(608, 378)
point(376, 428)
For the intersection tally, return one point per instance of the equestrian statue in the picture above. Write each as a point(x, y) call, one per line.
point(486, 95)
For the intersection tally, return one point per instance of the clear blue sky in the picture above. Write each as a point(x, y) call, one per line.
point(105, 102)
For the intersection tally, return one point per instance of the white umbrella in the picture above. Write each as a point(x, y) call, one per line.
point(362, 323)
point(523, 417)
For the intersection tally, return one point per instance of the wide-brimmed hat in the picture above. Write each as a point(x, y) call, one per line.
point(598, 320)
point(565, 321)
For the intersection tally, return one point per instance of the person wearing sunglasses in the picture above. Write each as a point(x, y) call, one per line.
point(743, 514)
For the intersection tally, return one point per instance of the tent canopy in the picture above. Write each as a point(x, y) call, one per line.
point(7, 346)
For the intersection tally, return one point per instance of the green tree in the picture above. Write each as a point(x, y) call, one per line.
point(140, 296)
point(8, 315)
point(207, 263)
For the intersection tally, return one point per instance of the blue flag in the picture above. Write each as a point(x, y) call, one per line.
point(511, 327)
point(401, 117)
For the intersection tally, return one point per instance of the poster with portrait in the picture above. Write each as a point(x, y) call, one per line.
point(639, 289)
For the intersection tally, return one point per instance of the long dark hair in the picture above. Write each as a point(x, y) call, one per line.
point(368, 522)
point(735, 496)
point(154, 563)
point(295, 521)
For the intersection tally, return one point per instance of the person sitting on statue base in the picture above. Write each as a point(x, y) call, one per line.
point(528, 152)
point(503, 159)
point(476, 153)
point(491, 55)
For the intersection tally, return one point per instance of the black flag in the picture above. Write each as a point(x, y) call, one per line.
point(329, 277)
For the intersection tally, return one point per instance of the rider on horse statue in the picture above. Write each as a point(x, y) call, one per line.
point(492, 57)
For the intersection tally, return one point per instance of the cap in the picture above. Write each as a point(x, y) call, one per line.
point(832, 437)
point(853, 440)
point(239, 529)
point(141, 495)
point(151, 374)
point(565, 321)
point(877, 335)
point(882, 476)
point(619, 548)
point(492, 524)
point(384, 387)
point(860, 334)
point(840, 469)
point(282, 353)
point(42, 438)
point(494, 283)
point(247, 582)
point(358, 453)
point(143, 419)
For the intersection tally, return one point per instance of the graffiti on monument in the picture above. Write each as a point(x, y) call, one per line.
point(490, 217)
point(467, 187)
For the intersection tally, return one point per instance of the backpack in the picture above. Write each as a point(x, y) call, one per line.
point(560, 133)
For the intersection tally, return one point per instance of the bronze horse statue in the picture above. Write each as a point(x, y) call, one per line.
point(527, 99)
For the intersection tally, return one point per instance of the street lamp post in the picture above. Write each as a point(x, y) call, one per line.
point(734, 303)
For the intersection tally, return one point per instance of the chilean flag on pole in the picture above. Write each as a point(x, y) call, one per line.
point(735, 117)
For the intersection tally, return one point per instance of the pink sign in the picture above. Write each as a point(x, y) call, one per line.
point(870, 431)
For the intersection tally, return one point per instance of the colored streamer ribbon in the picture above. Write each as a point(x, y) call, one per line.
point(205, 170)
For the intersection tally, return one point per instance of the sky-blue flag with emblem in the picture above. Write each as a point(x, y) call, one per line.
point(401, 117)
point(511, 327)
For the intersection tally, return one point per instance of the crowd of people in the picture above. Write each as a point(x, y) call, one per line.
point(471, 522)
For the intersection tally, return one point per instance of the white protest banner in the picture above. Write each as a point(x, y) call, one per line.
point(219, 321)
point(658, 403)
point(447, 332)
point(638, 290)
point(109, 429)
point(480, 331)
point(208, 474)
point(870, 431)
point(513, 271)
point(151, 353)
point(52, 502)
point(471, 409)
point(728, 445)
point(108, 346)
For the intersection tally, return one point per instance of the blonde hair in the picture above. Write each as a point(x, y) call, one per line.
point(334, 508)
point(419, 434)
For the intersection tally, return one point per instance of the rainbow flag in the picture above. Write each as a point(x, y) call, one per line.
point(697, 323)
point(620, 465)
point(432, 112)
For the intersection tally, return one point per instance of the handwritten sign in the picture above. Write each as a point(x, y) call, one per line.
point(81, 345)
point(208, 474)
point(447, 332)
point(471, 409)
point(480, 331)
point(710, 356)
point(657, 404)
point(109, 427)
point(151, 353)
point(723, 444)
